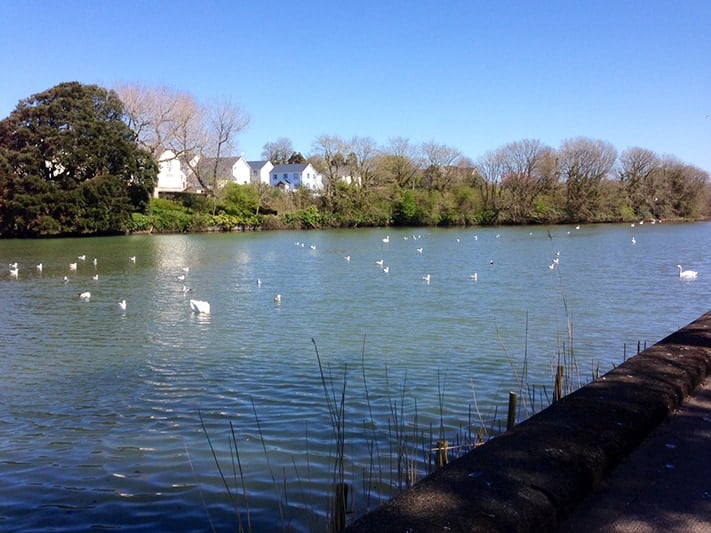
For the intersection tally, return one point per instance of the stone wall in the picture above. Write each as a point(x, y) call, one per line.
point(531, 477)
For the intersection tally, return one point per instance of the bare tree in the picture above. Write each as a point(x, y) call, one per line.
point(490, 170)
point(329, 156)
point(584, 163)
point(639, 175)
point(278, 152)
point(525, 176)
point(166, 119)
point(441, 168)
point(362, 161)
point(156, 114)
point(401, 162)
point(683, 187)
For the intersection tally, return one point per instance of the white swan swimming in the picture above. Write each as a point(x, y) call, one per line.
point(95, 277)
point(379, 262)
point(386, 269)
point(277, 298)
point(386, 238)
point(687, 274)
point(39, 267)
point(122, 305)
point(474, 276)
point(85, 296)
point(72, 266)
point(200, 306)
point(426, 278)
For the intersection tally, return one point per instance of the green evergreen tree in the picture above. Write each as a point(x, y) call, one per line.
point(69, 164)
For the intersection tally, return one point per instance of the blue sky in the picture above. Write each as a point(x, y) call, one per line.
point(474, 75)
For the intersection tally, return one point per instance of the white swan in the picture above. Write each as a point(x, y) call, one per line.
point(386, 269)
point(687, 274)
point(122, 305)
point(200, 306)
point(95, 277)
point(85, 296)
point(81, 257)
point(379, 262)
point(386, 238)
point(277, 298)
point(419, 250)
point(39, 267)
point(426, 278)
point(132, 259)
point(72, 266)
point(474, 276)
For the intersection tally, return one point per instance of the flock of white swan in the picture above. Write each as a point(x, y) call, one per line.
point(202, 307)
point(196, 306)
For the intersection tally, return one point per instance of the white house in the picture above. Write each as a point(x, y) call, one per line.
point(171, 177)
point(260, 171)
point(234, 169)
point(291, 177)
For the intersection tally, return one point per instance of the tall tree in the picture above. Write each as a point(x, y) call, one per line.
point(639, 174)
point(684, 188)
point(71, 164)
point(362, 161)
point(329, 157)
point(490, 169)
point(166, 119)
point(525, 176)
point(279, 151)
point(401, 161)
point(584, 163)
point(156, 114)
point(441, 165)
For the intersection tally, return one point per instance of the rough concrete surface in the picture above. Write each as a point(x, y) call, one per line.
point(537, 476)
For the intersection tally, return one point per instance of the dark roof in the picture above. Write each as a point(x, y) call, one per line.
point(256, 165)
point(224, 166)
point(294, 167)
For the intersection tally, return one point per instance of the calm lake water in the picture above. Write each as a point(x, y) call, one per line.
point(100, 408)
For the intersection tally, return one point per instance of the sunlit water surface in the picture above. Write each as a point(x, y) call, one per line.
point(102, 410)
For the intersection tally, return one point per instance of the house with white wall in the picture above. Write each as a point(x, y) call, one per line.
point(260, 171)
point(291, 177)
point(171, 177)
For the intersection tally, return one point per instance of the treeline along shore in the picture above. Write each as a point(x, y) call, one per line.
point(83, 160)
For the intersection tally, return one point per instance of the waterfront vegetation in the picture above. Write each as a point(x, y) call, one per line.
point(82, 160)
